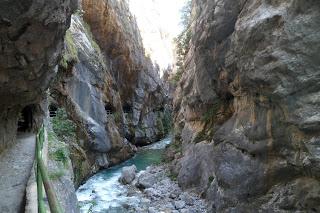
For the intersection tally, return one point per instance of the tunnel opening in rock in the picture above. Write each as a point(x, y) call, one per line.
point(109, 108)
point(53, 110)
point(127, 108)
point(25, 121)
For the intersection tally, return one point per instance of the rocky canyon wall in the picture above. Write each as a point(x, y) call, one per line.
point(31, 39)
point(108, 87)
point(97, 71)
point(247, 106)
point(139, 84)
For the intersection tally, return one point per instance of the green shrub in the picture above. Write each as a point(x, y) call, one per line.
point(177, 76)
point(208, 118)
point(70, 54)
point(62, 126)
point(176, 146)
point(210, 179)
point(173, 176)
point(117, 117)
point(167, 121)
point(51, 137)
point(61, 154)
point(211, 113)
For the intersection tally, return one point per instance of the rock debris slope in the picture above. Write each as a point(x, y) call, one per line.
point(247, 106)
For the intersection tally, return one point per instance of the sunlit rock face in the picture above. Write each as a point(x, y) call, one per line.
point(247, 107)
point(31, 39)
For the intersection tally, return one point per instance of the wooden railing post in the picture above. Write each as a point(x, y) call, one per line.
point(52, 199)
point(43, 178)
point(41, 206)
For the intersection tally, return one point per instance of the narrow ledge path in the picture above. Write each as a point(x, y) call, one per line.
point(15, 167)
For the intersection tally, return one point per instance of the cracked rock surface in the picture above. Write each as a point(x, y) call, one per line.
point(247, 106)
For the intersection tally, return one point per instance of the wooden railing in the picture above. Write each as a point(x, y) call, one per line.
point(43, 180)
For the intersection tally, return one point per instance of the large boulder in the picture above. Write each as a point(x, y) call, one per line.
point(128, 174)
point(146, 180)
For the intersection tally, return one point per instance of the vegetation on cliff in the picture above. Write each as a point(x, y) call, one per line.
point(70, 54)
point(62, 125)
point(182, 40)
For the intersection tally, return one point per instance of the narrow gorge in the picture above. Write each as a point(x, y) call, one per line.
point(159, 106)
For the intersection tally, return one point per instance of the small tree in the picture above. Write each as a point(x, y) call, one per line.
point(183, 39)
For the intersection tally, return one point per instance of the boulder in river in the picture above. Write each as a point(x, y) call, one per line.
point(146, 180)
point(128, 174)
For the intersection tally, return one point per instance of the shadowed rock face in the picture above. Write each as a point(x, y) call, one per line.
point(31, 39)
point(249, 127)
point(138, 83)
point(115, 104)
point(117, 34)
point(84, 88)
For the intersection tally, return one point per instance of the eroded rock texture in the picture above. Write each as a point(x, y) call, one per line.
point(139, 85)
point(85, 88)
point(31, 39)
point(110, 89)
point(247, 107)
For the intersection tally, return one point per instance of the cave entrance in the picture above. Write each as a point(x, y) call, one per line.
point(109, 108)
point(127, 108)
point(53, 110)
point(25, 121)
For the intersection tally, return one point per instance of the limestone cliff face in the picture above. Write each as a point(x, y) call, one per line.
point(247, 108)
point(84, 87)
point(31, 39)
point(110, 89)
point(138, 82)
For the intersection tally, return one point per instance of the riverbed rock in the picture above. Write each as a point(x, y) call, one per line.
point(179, 204)
point(158, 195)
point(146, 180)
point(128, 174)
point(187, 198)
point(246, 108)
point(152, 210)
point(152, 193)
